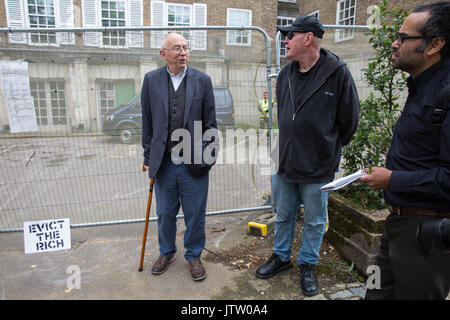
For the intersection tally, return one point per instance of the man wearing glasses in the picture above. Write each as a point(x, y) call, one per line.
point(414, 256)
point(318, 113)
point(176, 98)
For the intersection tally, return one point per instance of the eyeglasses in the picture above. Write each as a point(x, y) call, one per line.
point(401, 37)
point(177, 49)
point(290, 34)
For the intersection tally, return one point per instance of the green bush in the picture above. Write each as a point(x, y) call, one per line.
point(379, 111)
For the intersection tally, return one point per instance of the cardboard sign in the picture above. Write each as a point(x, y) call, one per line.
point(46, 235)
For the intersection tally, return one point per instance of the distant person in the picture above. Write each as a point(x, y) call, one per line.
point(318, 113)
point(414, 256)
point(175, 97)
point(263, 107)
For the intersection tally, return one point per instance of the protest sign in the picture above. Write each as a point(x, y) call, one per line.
point(46, 235)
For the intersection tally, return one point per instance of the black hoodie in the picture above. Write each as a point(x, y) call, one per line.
point(312, 132)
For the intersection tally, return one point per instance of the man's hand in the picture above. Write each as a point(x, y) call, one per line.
point(144, 168)
point(380, 178)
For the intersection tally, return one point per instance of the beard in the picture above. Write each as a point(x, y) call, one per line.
point(409, 60)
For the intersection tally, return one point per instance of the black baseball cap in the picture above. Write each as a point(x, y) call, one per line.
point(305, 24)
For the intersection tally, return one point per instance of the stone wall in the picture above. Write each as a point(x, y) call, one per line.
point(354, 233)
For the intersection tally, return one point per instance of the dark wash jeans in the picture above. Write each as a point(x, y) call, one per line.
point(174, 186)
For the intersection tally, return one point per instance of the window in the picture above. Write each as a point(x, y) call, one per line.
point(106, 96)
point(113, 15)
point(283, 21)
point(175, 14)
point(46, 14)
point(239, 17)
point(41, 14)
point(345, 15)
point(114, 93)
point(49, 102)
point(179, 15)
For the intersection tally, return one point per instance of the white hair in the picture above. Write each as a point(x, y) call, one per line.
point(163, 42)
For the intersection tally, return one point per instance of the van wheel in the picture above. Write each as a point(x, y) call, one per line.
point(128, 135)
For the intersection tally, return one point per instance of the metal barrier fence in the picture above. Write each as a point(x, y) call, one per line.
point(58, 157)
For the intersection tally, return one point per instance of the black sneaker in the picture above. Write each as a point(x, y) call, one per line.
point(272, 267)
point(308, 280)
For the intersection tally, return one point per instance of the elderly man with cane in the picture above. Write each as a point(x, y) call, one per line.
point(178, 97)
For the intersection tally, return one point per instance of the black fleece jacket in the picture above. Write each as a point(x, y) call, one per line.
point(312, 133)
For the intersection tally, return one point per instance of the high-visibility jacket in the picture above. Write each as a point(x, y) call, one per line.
point(264, 105)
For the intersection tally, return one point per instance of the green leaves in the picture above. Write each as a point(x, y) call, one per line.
point(379, 112)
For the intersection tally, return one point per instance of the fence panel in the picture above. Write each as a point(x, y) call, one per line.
point(61, 156)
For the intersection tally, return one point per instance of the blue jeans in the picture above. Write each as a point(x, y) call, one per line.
point(288, 197)
point(174, 186)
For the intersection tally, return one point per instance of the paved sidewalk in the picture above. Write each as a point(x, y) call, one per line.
point(106, 259)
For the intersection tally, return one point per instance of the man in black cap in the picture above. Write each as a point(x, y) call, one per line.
point(318, 113)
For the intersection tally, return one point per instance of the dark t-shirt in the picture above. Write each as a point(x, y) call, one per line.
point(302, 79)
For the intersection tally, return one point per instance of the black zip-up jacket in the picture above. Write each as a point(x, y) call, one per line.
point(312, 133)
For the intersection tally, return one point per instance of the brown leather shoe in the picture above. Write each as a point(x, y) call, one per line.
point(197, 270)
point(161, 264)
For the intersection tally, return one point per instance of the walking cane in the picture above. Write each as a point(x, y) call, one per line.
point(147, 216)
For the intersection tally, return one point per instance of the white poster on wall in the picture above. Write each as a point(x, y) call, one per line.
point(15, 83)
point(46, 235)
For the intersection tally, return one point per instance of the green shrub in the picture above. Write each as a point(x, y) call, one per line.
point(379, 111)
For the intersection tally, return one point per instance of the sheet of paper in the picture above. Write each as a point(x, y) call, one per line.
point(342, 182)
point(15, 83)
